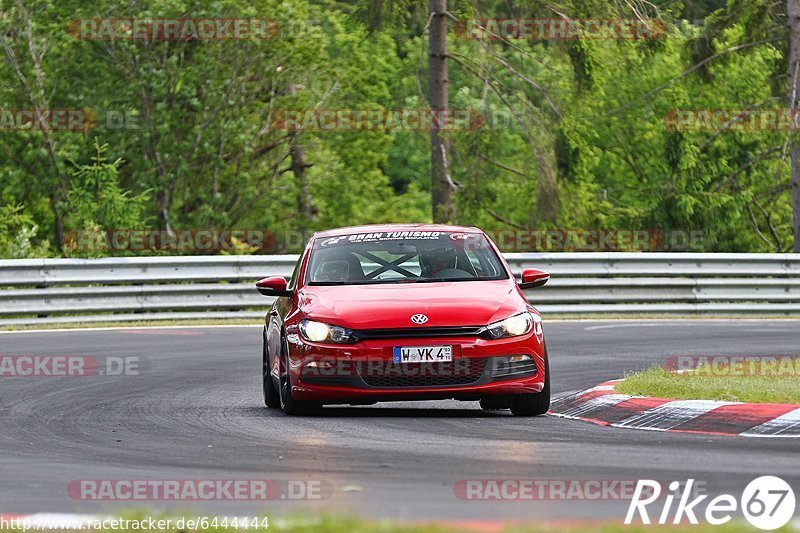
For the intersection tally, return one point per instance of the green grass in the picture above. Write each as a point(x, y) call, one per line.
point(702, 385)
point(347, 525)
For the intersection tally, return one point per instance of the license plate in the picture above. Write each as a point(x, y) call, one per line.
point(422, 354)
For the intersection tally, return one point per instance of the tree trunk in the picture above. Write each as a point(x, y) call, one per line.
point(793, 10)
point(442, 203)
point(58, 222)
point(305, 206)
point(162, 206)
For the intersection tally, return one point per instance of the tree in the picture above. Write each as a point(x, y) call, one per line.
point(793, 11)
point(26, 52)
point(441, 181)
point(580, 139)
point(98, 201)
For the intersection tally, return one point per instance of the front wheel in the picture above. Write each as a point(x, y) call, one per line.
point(537, 403)
point(289, 405)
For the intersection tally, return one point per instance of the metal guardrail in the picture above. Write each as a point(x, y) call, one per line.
point(125, 289)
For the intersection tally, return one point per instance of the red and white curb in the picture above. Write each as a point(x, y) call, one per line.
point(601, 405)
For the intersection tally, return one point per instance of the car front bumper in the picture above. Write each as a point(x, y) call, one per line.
point(365, 372)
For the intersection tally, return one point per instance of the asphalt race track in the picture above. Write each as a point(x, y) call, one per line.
point(195, 412)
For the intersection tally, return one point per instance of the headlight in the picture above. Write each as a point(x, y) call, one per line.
point(514, 326)
point(321, 332)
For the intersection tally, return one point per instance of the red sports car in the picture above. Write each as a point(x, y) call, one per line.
point(404, 312)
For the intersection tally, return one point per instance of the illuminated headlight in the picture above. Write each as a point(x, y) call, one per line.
point(514, 326)
point(321, 332)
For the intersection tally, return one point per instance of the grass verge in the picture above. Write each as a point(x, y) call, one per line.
point(720, 383)
point(360, 526)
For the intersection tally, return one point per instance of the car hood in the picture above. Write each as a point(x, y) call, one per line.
point(462, 303)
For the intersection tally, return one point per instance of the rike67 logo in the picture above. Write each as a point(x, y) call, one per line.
point(767, 502)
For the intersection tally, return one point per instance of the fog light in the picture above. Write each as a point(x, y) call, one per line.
point(518, 365)
point(320, 364)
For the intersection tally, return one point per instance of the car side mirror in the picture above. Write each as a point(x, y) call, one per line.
point(532, 277)
point(273, 286)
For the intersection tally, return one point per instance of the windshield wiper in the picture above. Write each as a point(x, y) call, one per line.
point(432, 280)
point(388, 281)
point(364, 281)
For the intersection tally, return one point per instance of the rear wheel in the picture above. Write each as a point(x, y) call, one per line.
point(271, 398)
point(289, 405)
point(537, 403)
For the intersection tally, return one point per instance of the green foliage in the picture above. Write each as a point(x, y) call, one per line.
point(577, 135)
point(17, 233)
point(97, 200)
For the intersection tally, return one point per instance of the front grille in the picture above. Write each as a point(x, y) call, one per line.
point(404, 333)
point(462, 371)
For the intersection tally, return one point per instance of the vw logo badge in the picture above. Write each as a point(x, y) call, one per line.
point(419, 318)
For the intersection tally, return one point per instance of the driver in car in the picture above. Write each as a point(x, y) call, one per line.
point(439, 261)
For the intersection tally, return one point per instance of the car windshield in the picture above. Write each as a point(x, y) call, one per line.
point(403, 257)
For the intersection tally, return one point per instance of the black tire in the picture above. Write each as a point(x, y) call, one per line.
point(534, 404)
point(495, 403)
point(288, 404)
point(271, 398)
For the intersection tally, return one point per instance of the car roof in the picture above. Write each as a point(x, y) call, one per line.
point(372, 228)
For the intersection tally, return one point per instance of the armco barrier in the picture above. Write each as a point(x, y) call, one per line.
point(124, 289)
